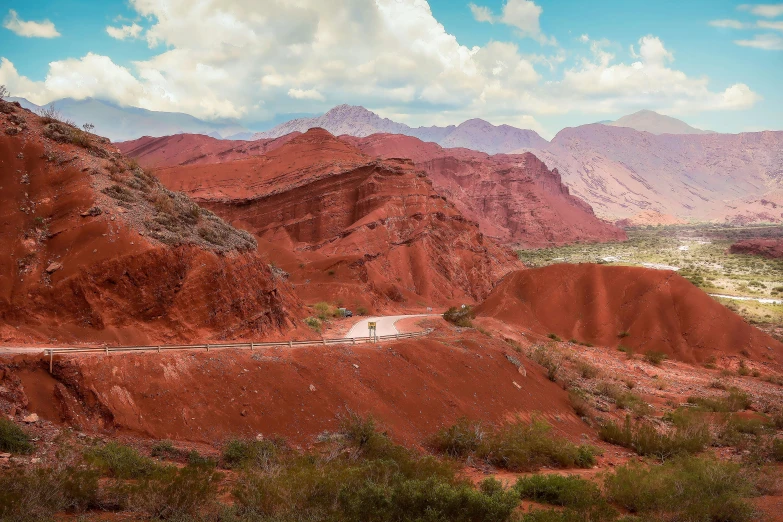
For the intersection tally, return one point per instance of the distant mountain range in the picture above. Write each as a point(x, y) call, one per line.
point(127, 123)
point(654, 123)
point(357, 121)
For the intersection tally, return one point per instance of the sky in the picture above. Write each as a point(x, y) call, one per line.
point(538, 64)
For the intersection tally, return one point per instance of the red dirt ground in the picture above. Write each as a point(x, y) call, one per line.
point(412, 387)
point(70, 276)
point(349, 228)
point(660, 311)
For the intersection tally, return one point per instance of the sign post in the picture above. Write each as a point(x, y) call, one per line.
point(373, 327)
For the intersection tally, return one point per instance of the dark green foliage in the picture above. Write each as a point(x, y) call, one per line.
point(120, 461)
point(459, 316)
point(777, 450)
point(692, 489)
point(518, 446)
point(120, 193)
point(13, 439)
point(572, 492)
point(554, 337)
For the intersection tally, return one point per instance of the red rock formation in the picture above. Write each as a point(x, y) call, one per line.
point(97, 251)
point(317, 204)
point(659, 310)
point(771, 248)
point(514, 198)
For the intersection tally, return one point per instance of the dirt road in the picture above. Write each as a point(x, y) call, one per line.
point(385, 325)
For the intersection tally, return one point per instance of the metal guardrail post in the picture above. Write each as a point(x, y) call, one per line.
point(251, 346)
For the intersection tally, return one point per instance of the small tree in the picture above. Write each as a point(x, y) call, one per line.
point(88, 127)
point(4, 92)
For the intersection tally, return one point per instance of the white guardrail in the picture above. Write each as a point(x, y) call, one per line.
point(51, 352)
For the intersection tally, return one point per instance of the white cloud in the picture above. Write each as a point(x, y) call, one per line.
point(730, 24)
point(309, 94)
point(778, 26)
point(768, 42)
point(45, 29)
point(481, 13)
point(521, 14)
point(765, 10)
point(584, 38)
point(124, 32)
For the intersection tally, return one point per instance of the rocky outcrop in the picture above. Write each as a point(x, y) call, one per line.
point(96, 249)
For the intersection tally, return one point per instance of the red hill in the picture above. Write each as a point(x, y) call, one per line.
point(659, 310)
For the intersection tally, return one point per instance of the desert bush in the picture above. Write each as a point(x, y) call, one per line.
point(579, 402)
point(314, 323)
point(736, 401)
point(654, 358)
point(459, 440)
point(554, 337)
point(361, 310)
point(777, 450)
point(623, 399)
point(170, 493)
point(627, 350)
point(13, 439)
point(119, 461)
point(38, 494)
point(120, 193)
point(261, 454)
point(689, 435)
point(325, 311)
point(459, 316)
point(587, 370)
point(572, 492)
point(548, 358)
point(738, 431)
point(693, 489)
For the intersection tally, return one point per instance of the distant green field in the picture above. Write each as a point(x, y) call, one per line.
point(700, 253)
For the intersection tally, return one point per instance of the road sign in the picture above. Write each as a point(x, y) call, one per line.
point(371, 324)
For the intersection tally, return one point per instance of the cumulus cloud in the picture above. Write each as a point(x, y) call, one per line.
point(243, 59)
point(521, 14)
point(767, 42)
point(778, 26)
point(124, 32)
point(765, 10)
point(29, 29)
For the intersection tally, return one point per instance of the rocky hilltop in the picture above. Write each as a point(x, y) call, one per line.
point(96, 249)
point(771, 248)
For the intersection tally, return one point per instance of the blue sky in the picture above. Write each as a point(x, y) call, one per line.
point(539, 64)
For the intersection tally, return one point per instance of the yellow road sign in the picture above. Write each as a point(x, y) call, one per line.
point(371, 324)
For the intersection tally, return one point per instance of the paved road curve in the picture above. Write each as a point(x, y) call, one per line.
point(385, 325)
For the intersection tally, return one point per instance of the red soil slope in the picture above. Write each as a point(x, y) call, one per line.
point(412, 387)
point(514, 198)
point(94, 250)
point(349, 227)
point(771, 248)
point(660, 311)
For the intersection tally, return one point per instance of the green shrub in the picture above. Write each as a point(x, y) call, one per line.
point(777, 450)
point(572, 492)
point(655, 358)
point(736, 401)
point(361, 310)
point(586, 370)
point(170, 492)
point(689, 435)
point(40, 493)
point(579, 403)
point(554, 337)
point(459, 316)
point(550, 360)
point(624, 399)
point(239, 453)
point(13, 439)
point(121, 461)
point(693, 489)
point(623, 334)
point(459, 440)
point(314, 323)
